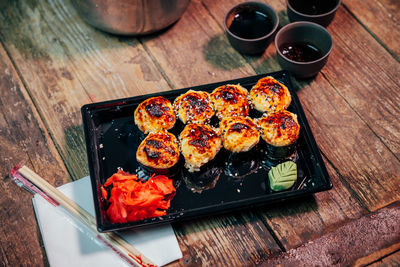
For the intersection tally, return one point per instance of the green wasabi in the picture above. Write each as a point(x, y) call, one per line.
point(282, 176)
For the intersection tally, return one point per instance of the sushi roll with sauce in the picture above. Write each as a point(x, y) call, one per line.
point(159, 150)
point(230, 100)
point(280, 130)
point(194, 107)
point(239, 134)
point(199, 144)
point(155, 113)
point(269, 95)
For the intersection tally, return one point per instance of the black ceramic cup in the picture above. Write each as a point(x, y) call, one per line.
point(303, 32)
point(250, 27)
point(321, 12)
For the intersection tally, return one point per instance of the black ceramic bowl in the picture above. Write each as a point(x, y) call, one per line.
point(304, 32)
point(252, 37)
point(308, 10)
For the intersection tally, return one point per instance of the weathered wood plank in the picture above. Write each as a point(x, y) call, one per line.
point(392, 260)
point(381, 18)
point(363, 161)
point(23, 138)
point(67, 63)
point(367, 77)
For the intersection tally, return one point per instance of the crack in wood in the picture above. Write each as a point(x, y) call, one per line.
point(371, 33)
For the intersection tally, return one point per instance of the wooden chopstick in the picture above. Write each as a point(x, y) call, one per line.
point(117, 243)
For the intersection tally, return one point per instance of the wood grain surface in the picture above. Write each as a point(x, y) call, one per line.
point(53, 63)
point(23, 138)
point(367, 77)
point(381, 18)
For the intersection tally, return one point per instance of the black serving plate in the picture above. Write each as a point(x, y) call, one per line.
point(229, 182)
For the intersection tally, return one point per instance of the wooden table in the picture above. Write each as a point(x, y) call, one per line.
point(52, 63)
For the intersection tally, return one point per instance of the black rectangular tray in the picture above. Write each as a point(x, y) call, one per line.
point(232, 182)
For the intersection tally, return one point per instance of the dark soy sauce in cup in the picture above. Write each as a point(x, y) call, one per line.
point(300, 52)
point(313, 7)
point(251, 24)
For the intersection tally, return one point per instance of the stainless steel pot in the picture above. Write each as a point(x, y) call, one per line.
point(130, 17)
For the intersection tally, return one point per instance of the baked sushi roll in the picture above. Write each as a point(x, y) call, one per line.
point(230, 100)
point(155, 113)
point(199, 144)
point(194, 107)
point(269, 95)
point(239, 134)
point(159, 150)
point(280, 130)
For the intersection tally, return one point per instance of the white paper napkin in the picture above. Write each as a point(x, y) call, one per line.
point(67, 245)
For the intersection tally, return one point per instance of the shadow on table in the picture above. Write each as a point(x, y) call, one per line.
point(221, 54)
